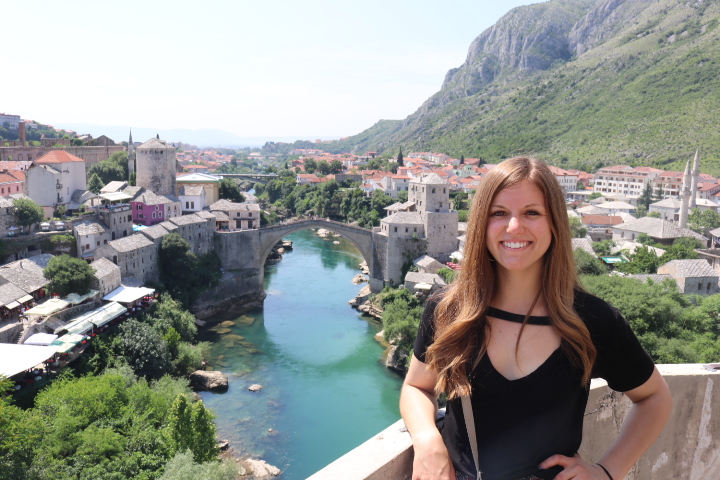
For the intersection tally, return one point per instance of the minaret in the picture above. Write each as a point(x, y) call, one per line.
point(695, 179)
point(131, 154)
point(685, 196)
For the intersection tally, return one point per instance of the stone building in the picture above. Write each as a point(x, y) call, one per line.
point(695, 277)
point(192, 198)
point(155, 233)
point(198, 231)
point(156, 166)
point(240, 216)
point(136, 256)
point(90, 235)
point(53, 179)
point(7, 216)
point(431, 195)
point(106, 277)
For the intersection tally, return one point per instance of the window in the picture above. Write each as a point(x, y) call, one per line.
point(699, 286)
point(98, 243)
point(396, 229)
point(187, 205)
point(87, 246)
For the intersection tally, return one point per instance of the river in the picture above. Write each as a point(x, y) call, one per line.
point(324, 390)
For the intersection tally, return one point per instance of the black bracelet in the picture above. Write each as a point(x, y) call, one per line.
point(606, 471)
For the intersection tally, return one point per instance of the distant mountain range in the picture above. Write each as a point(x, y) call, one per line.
point(207, 137)
point(579, 83)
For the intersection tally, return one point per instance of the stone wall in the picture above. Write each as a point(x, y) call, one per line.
point(91, 155)
point(441, 232)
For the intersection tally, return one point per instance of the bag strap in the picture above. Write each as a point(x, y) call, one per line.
point(470, 426)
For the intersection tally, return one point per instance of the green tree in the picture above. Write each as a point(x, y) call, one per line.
point(169, 314)
point(69, 275)
point(95, 184)
point(643, 260)
point(580, 186)
point(594, 195)
point(640, 211)
point(401, 317)
point(577, 229)
point(654, 215)
point(27, 212)
point(588, 264)
point(603, 248)
point(204, 434)
point(20, 431)
point(336, 166)
point(114, 168)
point(179, 430)
point(183, 467)
point(462, 160)
point(700, 221)
point(230, 190)
point(682, 249)
point(447, 274)
point(401, 162)
point(646, 198)
point(145, 350)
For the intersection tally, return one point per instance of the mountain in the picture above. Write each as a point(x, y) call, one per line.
point(579, 83)
point(207, 137)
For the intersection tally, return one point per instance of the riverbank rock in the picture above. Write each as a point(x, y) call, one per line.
point(323, 232)
point(364, 268)
point(200, 323)
point(359, 278)
point(261, 469)
point(255, 387)
point(208, 381)
point(223, 445)
point(396, 359)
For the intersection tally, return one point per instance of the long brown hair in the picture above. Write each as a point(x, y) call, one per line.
point(460, 316)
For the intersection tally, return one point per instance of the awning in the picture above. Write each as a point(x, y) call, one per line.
point(24, 299)
point(105, 314)
point(12, 305)
point(15, 359)
point(423, 286)
point(40, 339)
point(67, 342)
point(74, 298)
point(115, 196)
point(128, 294)
point(51, 306)
point(78, 326)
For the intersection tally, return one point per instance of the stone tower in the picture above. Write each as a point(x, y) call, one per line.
point(131, 154)
point(156, 165)
point(685, 196)
point(695, 179)
point(431, 195)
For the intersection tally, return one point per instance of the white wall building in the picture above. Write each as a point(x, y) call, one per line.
point(53, 179)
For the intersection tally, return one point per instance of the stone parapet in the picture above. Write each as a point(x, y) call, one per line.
point(688, 448)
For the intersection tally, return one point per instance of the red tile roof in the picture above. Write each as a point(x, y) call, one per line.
point(57, 156)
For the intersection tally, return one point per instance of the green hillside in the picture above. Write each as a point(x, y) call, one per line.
point(646, 93)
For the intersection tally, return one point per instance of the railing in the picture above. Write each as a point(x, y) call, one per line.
point(688, 448)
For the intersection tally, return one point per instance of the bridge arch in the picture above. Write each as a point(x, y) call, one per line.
point(360, 237)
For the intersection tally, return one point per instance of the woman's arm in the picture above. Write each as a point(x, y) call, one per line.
point(418, 407)
point(648, 415)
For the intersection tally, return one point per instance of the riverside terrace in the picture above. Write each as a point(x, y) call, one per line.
point(688, 448)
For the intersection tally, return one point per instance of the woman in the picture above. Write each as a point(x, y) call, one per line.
point(516, 333)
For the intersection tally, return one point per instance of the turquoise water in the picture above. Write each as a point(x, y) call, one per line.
point(324, 390)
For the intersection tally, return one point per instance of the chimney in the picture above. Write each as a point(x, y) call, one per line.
point(21, 132)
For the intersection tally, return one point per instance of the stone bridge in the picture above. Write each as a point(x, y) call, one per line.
point(360, 237)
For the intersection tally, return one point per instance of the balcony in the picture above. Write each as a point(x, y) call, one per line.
point(688, 448)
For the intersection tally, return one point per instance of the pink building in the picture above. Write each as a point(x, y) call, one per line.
point(150, 209)
point(11, 182)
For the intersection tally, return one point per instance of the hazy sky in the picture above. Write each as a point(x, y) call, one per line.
point(312, 68)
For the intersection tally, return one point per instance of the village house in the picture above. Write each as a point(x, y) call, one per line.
point(694, 277)
point(89, 235)
point(106, 277)
point(661, 231)
point(53, 179)
point(192, 198)
point(11, 182)
point(239, 216)
point(198, 231)
point(150, 209)
point(136, 256)
point(210, 183)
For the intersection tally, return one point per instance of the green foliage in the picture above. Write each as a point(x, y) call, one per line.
point(144, 350)
point(700, 221)
point(19, 432)
point(576, 228)
point(168, 314)
point(401, 316)
point(594, 195)
point(109, 426)
point(182, 273)
point(190, 427)
point(95, 183)
point(68, 275)
point(229, 189)
point(113, 169)
point(183, 467)
point(646, 198)
point(27, 212)
point(654, 215)
point(681, 249)
point(643, 260)
point(447, 274)
point(588, 264)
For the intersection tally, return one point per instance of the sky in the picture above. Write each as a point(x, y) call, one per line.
point(309, 69)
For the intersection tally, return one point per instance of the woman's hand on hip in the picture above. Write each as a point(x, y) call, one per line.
point(575, 468)
point(431, 460)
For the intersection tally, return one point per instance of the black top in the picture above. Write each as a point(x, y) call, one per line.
point(519, 423)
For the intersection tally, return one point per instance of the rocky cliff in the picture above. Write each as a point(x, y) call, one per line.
point(537, 79)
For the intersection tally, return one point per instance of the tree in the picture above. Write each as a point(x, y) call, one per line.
point(576, 228)
point(646, 198)
point(700, 221)
point(400, 158)
point(640, 211)
point(588, 264)
point(336, 166)
point(594, 195)
point(69, 275)
point(95, 184)
point(580, 186)
point(653, 215)
point(603, 248)
point(643, 260)
point(230, 190)
point(462, 160)
point(114, 168)
point(28, 212)
point(145, 350)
